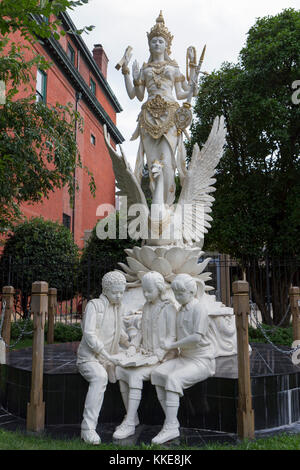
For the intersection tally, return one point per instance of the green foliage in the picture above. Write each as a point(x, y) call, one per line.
point(19, 326)
point(38, 153)
point(258, 180)
point(37, 143)
point(26, 441)
point(257, 199)
point(64, 333)
point(25, 16)
point(98, 249)
point(101, 256)
point(279, 335)
point(41, 250)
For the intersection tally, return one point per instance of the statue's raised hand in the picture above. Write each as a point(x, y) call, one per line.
point(135, 70)
point(127, 55)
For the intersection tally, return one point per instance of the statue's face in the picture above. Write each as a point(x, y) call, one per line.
point(183, 296)
point(115, 293)
point(150, 290)
point(157, 44)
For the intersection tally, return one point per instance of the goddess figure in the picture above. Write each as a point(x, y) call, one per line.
point(158, 124)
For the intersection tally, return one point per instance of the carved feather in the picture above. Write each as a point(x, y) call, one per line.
point(125, 179)
point(199, 181)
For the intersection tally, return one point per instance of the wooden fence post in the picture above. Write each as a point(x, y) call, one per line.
point(245, 413)
point(52, 304)
point(39, 308)
point(8, 297)
point(295, 309)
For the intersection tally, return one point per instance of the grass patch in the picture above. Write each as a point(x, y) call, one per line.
point(23, 441)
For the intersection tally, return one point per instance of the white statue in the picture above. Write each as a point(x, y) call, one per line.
point(159, 136)
point(195, 361)
point(103, 331)
point(161, 124)
point(157, 325)
point(173, 239)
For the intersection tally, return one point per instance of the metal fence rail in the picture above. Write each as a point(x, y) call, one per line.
point(269, 279)
point(75, 284)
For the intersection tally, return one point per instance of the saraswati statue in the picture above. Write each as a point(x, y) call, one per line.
point(162, 123)
point(174, 235)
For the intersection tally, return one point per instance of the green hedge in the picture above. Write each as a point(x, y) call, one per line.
point(63, 333)
point(281, 336)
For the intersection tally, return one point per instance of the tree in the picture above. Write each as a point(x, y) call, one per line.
point(257, 206)
point(39, 250)
point(38, 151)
point(100, 256)
point(25, 16)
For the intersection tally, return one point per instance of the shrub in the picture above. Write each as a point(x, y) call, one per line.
point(39, 250)
point(99, 257)
point(20, 325)
point(280, 336)
point(64, 333)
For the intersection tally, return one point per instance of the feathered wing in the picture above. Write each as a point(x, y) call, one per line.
point(126, 181)
point(195, 199)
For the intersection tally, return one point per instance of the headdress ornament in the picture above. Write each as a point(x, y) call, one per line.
point(159, 29)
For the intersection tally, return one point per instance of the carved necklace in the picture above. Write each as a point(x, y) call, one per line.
point(157, 64)
point(157, 71)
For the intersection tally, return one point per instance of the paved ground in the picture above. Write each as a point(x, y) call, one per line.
point(190, 437)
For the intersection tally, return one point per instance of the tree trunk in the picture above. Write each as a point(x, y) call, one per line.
point(256, 276)
point(283, 272)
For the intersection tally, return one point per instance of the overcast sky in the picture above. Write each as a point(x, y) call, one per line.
point(222, 25)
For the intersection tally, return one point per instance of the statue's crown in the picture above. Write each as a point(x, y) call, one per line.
point(159, 29)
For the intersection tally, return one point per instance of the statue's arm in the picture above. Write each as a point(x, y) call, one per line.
point(140, 92)
point(89, 329)
point(191, 340)
point(138, 81)
point(171, 323)
point(200, 325)
point(183, 89)
point(170, 351)
point(128, 83)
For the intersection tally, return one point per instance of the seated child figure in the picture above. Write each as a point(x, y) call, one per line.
point(103, 331)
point(158, 323)
point(195, 361)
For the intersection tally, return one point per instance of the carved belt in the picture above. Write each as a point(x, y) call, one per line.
point(158, 116)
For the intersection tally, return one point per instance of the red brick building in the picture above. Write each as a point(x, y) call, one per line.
point(79, 77)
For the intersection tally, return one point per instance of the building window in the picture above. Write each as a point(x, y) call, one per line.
point(93, 139)
point(45, 19)
point(71, 54)
point(92, 86)
point(67, 221)
point(41, 86)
